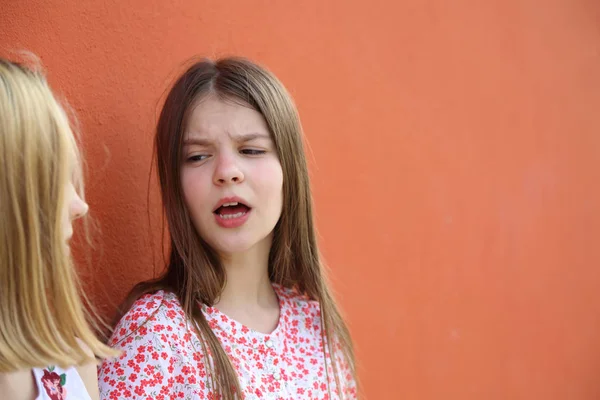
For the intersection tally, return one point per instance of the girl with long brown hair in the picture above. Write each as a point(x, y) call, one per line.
point(243, 309)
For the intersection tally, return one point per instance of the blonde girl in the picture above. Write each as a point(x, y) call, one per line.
point(47, 348)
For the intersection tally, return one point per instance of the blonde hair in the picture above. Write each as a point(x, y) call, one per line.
point(43, 320)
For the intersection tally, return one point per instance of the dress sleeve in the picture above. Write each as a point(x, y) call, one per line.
point(347, 381)
point(347, 388)
point(155, 362)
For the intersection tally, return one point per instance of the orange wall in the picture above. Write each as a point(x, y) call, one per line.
point(455, 163)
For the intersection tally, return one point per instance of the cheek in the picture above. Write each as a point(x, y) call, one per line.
point(194, 189)
point(271, 180)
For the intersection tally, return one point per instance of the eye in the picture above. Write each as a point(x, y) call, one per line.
point(252, 152)
point(197, 158)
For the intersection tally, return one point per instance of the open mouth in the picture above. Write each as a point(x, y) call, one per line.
point(232, 210)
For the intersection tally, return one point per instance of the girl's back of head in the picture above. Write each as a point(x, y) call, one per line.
point(41, 312)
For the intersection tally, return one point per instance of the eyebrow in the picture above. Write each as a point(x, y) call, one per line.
point(238, 138)
point(196, 141)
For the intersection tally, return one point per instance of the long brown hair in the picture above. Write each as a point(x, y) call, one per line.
point(194, 272)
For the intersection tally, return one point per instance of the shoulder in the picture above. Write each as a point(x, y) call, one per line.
point(17, 385)
point(296, 298)
point(305, 329)
point(156, 313)
point(305, 313)
point(152, 333)
point(88, 371)
point(160, 352)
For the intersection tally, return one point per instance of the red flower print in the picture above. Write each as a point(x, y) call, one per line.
point(161, 357)
point(54, 384)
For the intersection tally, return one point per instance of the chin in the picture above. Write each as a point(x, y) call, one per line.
point(232, 247)
point(236, 245)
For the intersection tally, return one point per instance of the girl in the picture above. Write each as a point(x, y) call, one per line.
point(46, 346)
point(243, 309)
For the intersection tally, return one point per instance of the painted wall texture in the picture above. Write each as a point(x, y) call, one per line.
point(454, 153)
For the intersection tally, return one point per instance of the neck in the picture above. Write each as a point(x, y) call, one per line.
point(247, 285)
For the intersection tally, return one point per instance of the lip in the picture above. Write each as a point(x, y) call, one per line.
point(231, 222)
point(231, 200)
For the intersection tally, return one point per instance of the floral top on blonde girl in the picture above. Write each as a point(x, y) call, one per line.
point(55, 383)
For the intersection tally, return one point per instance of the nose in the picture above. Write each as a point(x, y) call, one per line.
point(78, 208)
point(228, 170)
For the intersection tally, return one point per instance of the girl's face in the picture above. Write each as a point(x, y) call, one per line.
point(231, 176)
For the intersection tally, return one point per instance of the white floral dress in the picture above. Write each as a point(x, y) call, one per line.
point(162, 356)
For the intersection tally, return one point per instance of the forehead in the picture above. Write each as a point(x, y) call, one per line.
point(212, 116)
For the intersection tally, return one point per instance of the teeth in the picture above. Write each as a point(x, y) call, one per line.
point(231, 216)
point(235, 203)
